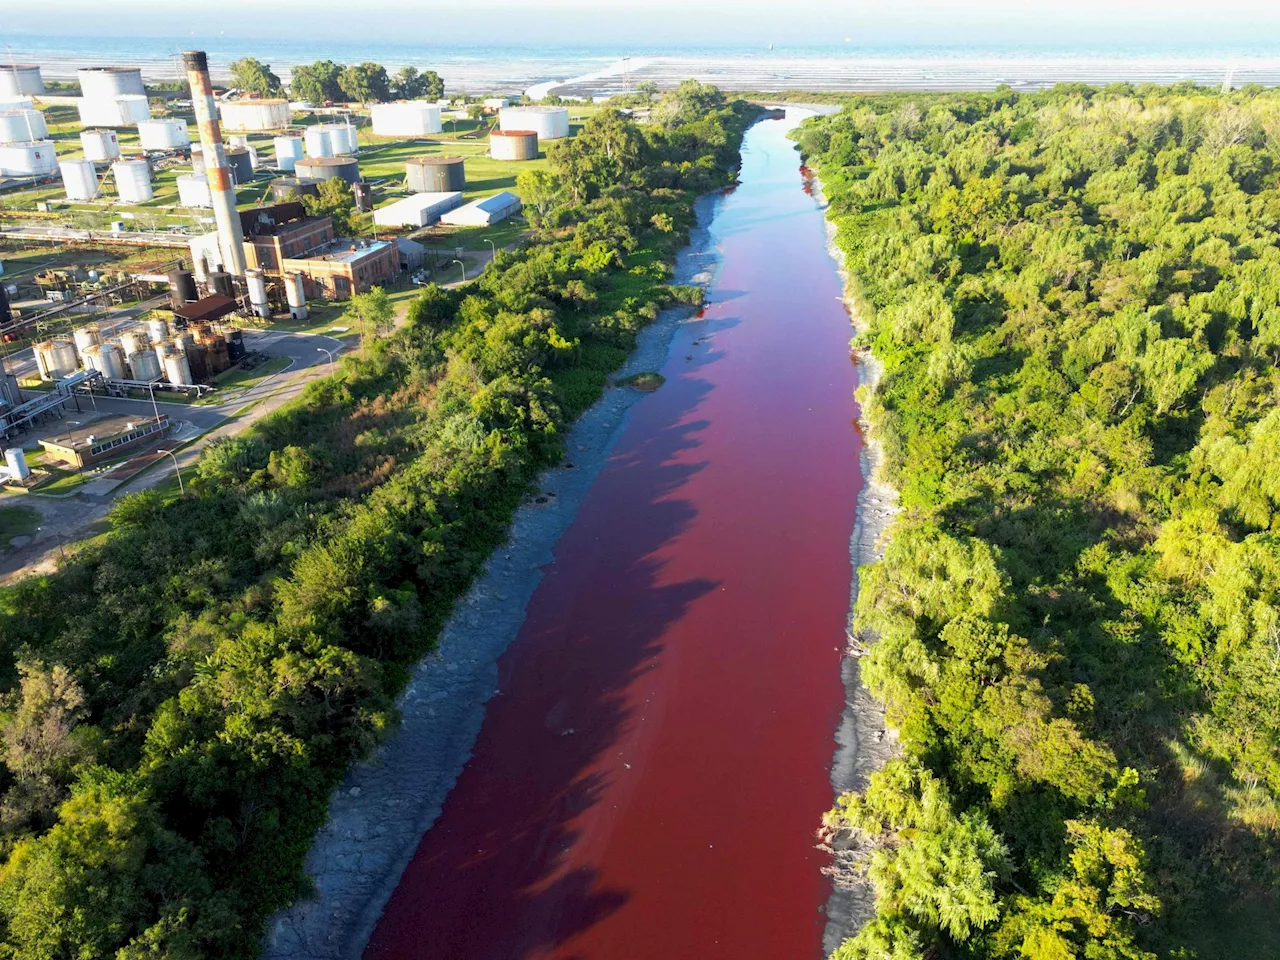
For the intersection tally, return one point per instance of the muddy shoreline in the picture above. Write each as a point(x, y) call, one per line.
point(386, 804)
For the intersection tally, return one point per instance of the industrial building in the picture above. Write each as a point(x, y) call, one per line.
point(549, 123)
point(419, 210)
point(435, 174)
point(515, 145)
point(104, 439)
point(483, 213)
point(345, 267)
point(408, 118)
point(254, 116)
point(20, 79)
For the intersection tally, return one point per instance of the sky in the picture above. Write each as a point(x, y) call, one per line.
point(677, 22)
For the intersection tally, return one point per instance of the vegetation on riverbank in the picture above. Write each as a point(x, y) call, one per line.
point(182, 697)
point(1074, 296)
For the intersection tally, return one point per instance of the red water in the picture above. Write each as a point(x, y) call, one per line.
point(647, 783)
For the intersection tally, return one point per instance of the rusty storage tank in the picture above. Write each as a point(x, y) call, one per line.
point(435, 174)
point(107, 359)
point(182, 288)
point(56, 358)
point(90, 335)
point(513, 145)
point(215, 346)
point(240, 160)
point(326, 168)
point(135, 339)
point(198, 362)
point(288, 188)
point(363, 194)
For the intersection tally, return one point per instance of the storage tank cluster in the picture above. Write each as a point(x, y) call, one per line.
point(164, 134)
point(513, 145)
point(330, 140)
point(133, 180)
point(80, 179)
point(35, 159)
point(254, 116)
point(435, 174)
point(20, 79)
point(289, 148)
point(549, 123)
point(408, 118)
point(326, 168)
point(100, 145)
point(22, 125)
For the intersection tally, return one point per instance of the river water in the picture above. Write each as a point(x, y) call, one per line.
point(648, 780)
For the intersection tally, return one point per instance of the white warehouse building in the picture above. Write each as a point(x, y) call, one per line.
point(409, 118)
point(549, 123)
point(482, 213)
point(419, 210)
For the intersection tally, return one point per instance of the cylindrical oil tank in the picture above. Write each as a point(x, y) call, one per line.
point(107, 82)
point(435, 174)
point(124, 111)
point(193, 191)
point(342, 138)
point(135, 340)
point(289, 149)
point(107, 359)
point(258, 292)
point(296, 294)
point(235, 344)
point(218, 354)
point(410, 118)
point(513, 145)
point(57, 358)
point(145, 365)
point(239, 140)
point(20, 79)
point(16, 460)
point(318, 142)
point(254, 116)
point(37, 159)
point(197, 159)
point(220, 282)
point(549, 123)
point(90, 335)
point(362, 193)
point(326, 168)
point(80, 179)
point(198, 362)
point(157, 330)
point(22, 126)
point(241, 164)
point(173, 359)
point(164, 134)
point(17, 103)
point(182, 288)
point(284, 187)
point(100, 145)
point(133, 180)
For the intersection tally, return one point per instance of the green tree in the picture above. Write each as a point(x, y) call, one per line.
point(366, 82)
point(372, 313)
point(255, 77)
point(317, 83)
point(335, 201)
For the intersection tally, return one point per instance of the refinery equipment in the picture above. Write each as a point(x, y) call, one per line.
point(80, 179)
point(240, 162)
point(222, 193)
point(419, 210)
point(56, 358)
point(157, 330)
point(182, 287)
point(289, 149)
point(258, 293)
point(173, 360)
point(362, 194)
point(435, 174)
point(296, 295)
point(36, 159)
point(513, 145)
point(342, 138)
point(193, 191)
point(19, 79)
point(164, 134)
point(15, 461)
point(287, 188)
point(145, 365)
point(133, 180)
point(100, 145)
point(408, 118)
point(22, 126)
point(254, 116)
point(90, 335)
point(122, 111)
point(319, 143)
point(135, 340)
point(100, 83)
point(107, 359)
point(326, 168)
point(549, 123)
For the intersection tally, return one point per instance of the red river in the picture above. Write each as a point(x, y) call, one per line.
point(647, 782)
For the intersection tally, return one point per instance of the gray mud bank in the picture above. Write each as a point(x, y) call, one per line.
point(379, 814)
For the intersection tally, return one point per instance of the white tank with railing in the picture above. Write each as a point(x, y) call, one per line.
point(133, 180)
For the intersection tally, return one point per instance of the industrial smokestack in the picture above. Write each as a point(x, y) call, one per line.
point(216, 168)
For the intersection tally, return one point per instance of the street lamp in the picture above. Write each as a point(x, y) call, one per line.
point(464, 269)
point(492, 248)
point(329, 354)
point(178, 471)
point(151, 389)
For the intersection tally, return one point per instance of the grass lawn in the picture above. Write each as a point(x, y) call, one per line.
point(17, 522)
point(244, 379)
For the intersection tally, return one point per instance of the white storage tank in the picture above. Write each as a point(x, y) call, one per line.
point(342, 136)
point(193, 191)
point(408, 118)
point(56, 358)
point(158, 330)
point(318, 142)
point(289, 150)
point(90, 335)
point(296, 295)
point(18, 79)
point(164, 134)
point(258, 293)
point(22, 126)
point(16, 460)
point(80, 179)
point(173, 359)
point(124, 111)
point(145, 365)
point(100, 145)
point(133, 180)
point(107, 359)
point(254, 116)
point(36, 159)
point(549, 123)
point(135, 340)
point(106, 82)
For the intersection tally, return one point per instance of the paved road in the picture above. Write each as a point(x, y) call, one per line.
point(67, 518)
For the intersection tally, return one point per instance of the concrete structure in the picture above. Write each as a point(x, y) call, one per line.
point(254, 116)
point(104, 439)
point(483, 213)
point(22, 126)
point(513, 145)
point(133, 180)
point(289, 149)
point(325, 168)
point(19, 79)
point(103, 83)
point(222, 192)
point(419, 210)
point(193, 191)
point(549, 123)
point(408, 118)
point(79, 179)
point(166, 134)
point(100, 145)
point(122, 111)
point(435, 174)
point(36, 159)
point(318, 142)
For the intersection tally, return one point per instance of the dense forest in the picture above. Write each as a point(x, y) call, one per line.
point(1075, 296)
point(180, 698)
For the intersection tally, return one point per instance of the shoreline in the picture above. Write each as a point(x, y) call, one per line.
point(387, 803)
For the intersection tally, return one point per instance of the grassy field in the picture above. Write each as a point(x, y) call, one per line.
point(17, 522)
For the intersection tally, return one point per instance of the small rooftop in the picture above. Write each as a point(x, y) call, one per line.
point(206, 310)
point(346, 250)
point(104, 428)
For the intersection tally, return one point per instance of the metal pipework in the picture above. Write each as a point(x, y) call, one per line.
point(216, 167)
